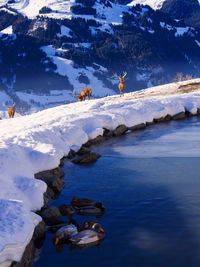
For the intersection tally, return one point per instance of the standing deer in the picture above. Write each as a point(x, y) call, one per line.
point(85, 92)
point(121, 84)
point(11, 110)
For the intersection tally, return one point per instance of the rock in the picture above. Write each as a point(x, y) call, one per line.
point(56, 184)
point(179, 116)
point(149, 123)
point(163, 119)
point(198, 111)
point(188, 113)
point(137, 127)
point(83, 150)
point(94, 141)
point(107, 133)
point(71, 154)
point(51, 216)
point(46, 175)
point(121, 129)
point(39, 231)
point(86, 159)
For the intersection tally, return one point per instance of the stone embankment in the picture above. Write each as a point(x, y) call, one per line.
point(55, 180)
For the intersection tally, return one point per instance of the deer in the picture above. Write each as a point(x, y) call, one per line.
point(11, 110)
point(121, 84)
point(85, 92)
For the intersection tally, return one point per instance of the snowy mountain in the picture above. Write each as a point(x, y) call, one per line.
point(36, 142)
point(155, 4)
point(50, 48)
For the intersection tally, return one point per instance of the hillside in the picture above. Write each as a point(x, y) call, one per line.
point(49, 48)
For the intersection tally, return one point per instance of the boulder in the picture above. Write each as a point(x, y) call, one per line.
point(56, 184)
point(163, 119)
point(107, 133)
point(86, 159)
point(83, 150)
point(149, 123)
point(71, 154)
point(46, 175)
point(51, 216)
point(137, 127)
point(179, 116)
point(94, 141)
point(121, 129)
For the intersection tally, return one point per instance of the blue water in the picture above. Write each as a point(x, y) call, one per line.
point(149, 182)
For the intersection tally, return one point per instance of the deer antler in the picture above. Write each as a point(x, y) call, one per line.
point(13, 104)
point(125, 73)
point(116, 75)
point(4, 105)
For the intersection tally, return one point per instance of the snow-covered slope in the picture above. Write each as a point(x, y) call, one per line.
point(37, 142)
point(155, 4)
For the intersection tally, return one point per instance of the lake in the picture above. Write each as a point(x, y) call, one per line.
point(149, 182)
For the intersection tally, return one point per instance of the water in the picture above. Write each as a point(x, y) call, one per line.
point(149, 182)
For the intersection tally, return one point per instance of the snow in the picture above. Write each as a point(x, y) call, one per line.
point(155, 4)
point(65, 31)
point(7, 30)
point(37, 142)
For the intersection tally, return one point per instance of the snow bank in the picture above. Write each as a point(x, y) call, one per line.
point(37, 142)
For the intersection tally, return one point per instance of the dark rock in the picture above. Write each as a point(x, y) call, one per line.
point(46, 175)
point(179, 116)
point(188, 113)
point(137, 127)
point(86, 159)
point(71, 154)
point(107, 133)
point(83, 150)
point(56, 184)
point(51, 216)
point(163, 119)
point(39, 234)
point(121, 129)
point(94, 141)
point(149, 123)
point(39, 231)
point(198, 111)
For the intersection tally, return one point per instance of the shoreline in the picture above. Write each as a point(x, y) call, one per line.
point(53, 191)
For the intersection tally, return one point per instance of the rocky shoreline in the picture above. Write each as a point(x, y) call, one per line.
point(55, 181)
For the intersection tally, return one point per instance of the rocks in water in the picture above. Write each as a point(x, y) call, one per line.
point(94, 141)
point(71, 154)
point(45, 175)
point(121, 129)
point(83, 150)
point(149, 123)
point(107, 133)
point(51, 216)
point(137, 127)
point(54, 180)
point(179, 116)
point(86, 159)
point(66, 210)
point(163, 119)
